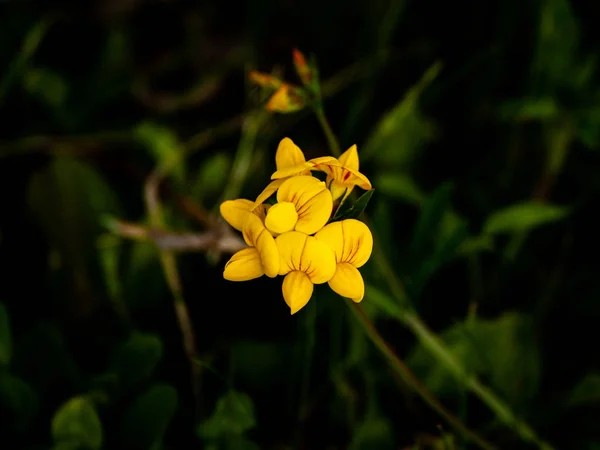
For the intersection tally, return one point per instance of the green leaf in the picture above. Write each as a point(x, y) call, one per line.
point(212, 176)
point(47, 85)
point(69, 198)
point(354, 211)
point(383, 302)
point(503, 349)
point(5, 337)
point(401, 132)
point(18, 397)
point(109, 252)
point(41, 357)
point(164, 146)
point(586, 391)
point(400, 186)
point(77, 422)
point(233, 415)
point(476, 244)
point(428, 224)
point(374, 432)
point(530, 109)
point(135, 359)
point(523, 217)
point(147, 420)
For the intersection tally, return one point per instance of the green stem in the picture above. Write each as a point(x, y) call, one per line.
point(332, 141)
point(400, 368)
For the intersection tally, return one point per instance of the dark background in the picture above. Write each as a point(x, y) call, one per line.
point(517, 86)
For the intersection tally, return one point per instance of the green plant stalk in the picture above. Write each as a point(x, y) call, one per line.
point(429, 340)
point(400, 368)
point(332, 141)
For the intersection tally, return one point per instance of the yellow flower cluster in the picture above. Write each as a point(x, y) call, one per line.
point(293, 238)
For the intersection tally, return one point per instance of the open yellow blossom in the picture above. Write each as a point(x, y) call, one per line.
point(303, 204)
point(304, 261)
point(352, 243)
point(262, 256)
point(342, 173)
point(234, 211)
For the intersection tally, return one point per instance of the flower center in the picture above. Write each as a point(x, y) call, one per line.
point(281, 217)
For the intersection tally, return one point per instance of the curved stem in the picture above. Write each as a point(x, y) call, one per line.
point(332, 141)
point(405, 373)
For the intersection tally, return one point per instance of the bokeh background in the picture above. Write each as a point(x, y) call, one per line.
point(478, 124)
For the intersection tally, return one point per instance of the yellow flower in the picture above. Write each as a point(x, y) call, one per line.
point(303, 204)
point(352, 243)
point(304, 261)
point(342, 173)
point(262, 256)
point(235, 211)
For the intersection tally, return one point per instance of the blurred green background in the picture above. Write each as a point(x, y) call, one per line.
point(478, 124)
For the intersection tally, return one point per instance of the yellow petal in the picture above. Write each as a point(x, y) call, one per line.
point(281, 217)
point(350, 240)
point(266, 193)
point(234, 211)
point(314, 214)
point(243, 266)
point(290, 171)
point(312, 200)
point(341, 173)
point(349, 158)
point(256, 235)
point(297, 290)
point(288, 154)
point(354, 177)
point(299, 252)
point(290, 246)
point(317, 261)
point(348, 282)
point(338, 189)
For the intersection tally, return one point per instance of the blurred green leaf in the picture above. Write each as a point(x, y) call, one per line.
point(399, 186)
point(353, 211)
point(47, 85)
point(41, 357)
point(143, 284)
point(503, 349)
point(5, 337)
point(558, 36)
point(135, 359)
point(164, 146)
point(77, 422)
point(383, 302)
point(212, 176)
point(69, 198)
point(233, 415)
point(17, 397)
point(586, 391)
point(430, 217)
point(109, 252)
point(374, 432)
point(147, 420)
point(523, 217)
point(400, 133)
point(476, 244)
point(530, 109)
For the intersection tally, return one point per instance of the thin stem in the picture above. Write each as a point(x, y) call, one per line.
point(332, 141)
point(404, 372)
point(435, 346)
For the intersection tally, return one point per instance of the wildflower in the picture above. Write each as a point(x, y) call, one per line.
point(234, 211)
point(303, 204)
point(262, 256)
point(286, 99)
point(304, 261)
point(303, 69)
point(352, 243)
point(342, 173)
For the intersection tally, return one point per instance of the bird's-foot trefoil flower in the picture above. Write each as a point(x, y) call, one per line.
point(294, 237)
point(304, 261)
point(342, 173)
point(303, 204)
point(261, 257)
point(352, 243)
